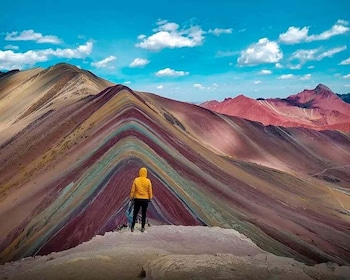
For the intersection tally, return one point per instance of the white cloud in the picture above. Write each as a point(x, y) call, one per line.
point(13, 60)
point(257, 82)
point(30, 35)
point(139, 62)
point(199, 86)
point(346, 76)
point(265, 72)
point(219, 31)
point(331, 52)
point(160, 87)
point(141, 37)
point(295, 35)
point(164, 25)
point(170, 72)
point(104, 63)
point(295, 67)
point(278, 65)
point(306, 77)
point(168, 35)
point(337, 29)
point(81, 51)
point(264, 51)
point(286, 77)
point(345, 62)
point(11, 47)
point(315, 54)
point(305, 55)
point(342, 22)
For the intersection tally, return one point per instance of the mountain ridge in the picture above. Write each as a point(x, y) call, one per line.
point(319, 109)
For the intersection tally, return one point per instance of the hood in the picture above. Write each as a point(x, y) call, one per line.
point(143, 172)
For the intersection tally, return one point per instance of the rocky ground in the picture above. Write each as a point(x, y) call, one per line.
point(168, 252)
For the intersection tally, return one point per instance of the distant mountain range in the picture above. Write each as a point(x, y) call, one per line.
point(71, 144)
point(319, 109)
point(345, 97)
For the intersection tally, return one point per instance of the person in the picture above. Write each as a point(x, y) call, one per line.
point(141, 193)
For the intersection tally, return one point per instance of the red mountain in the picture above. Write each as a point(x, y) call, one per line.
point(319, 109)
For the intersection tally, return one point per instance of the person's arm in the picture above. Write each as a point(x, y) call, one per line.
point(132, 191)
point(150, 192)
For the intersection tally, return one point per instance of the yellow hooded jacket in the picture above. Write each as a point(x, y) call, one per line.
point(142, 186)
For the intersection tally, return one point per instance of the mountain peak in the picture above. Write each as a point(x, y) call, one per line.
point(322, 89)
point(64, 66)
point(242, 97)
point(308, 97)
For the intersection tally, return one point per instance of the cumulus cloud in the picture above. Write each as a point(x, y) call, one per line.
point(81, 51)
point(30, 35)
point(295, 35)
point(104, 63)
point(257, 82)
point(138, 62)
point(168, 35)
point(265, 51)
point(346, 76)
point(219, 31)
point(286, 77)
point(15, 60)
point(345, 62)
point(170, 73)
point(265, 72)
point(160, 87)
point(11, 60)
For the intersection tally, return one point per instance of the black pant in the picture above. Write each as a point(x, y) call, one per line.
point(143, 204)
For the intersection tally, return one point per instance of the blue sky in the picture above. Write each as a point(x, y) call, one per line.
point(186, 50)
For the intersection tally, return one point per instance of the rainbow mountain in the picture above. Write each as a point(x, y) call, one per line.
point(71, 144)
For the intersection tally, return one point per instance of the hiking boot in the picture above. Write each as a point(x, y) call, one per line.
point(132, 229)
point(143, 229)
